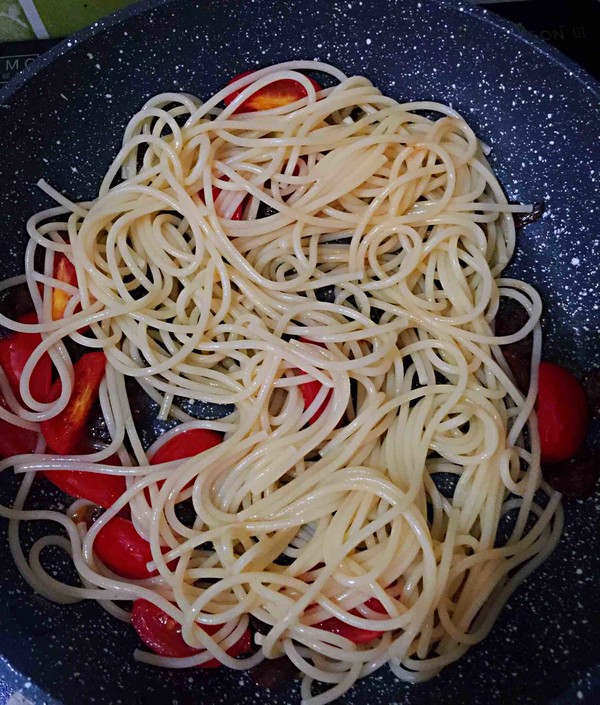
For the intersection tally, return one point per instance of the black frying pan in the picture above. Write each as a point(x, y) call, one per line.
point(62, 120)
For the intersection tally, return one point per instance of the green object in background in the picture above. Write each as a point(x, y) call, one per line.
point(63, 17)
point(14, 26)
point(30, 19)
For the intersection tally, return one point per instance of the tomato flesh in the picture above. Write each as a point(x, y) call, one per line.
point(273, 95)
point(64, 271)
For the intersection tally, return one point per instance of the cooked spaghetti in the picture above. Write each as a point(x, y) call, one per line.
point(345, 244)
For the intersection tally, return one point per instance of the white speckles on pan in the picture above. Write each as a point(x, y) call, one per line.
point(63, 121)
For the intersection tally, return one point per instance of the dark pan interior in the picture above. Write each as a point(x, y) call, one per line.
point(63, 122)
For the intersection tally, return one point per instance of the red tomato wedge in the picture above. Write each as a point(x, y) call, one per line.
point(309, 394)
point(310, 390)
point(355, 634)
point(563, 413)
point(14, 353)
point(274, 95)
point(64, 271)
point(15, 440)
point(97, 487)
point(64, 432)
point(185, 445)
point(120, 547)
point(162, 634)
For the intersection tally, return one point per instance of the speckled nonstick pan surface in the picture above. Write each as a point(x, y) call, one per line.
point(63, 119)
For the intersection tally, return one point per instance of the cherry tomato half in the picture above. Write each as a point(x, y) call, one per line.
point(64, 432)
point(119, 546)
point(64, 271)
point(15, 440)
point(355, 634)
point(14, 353)
point(186, 444)
point(162, 634)
point(273, 95)
point(562, 411)
point(97, 487)
point(310, 390)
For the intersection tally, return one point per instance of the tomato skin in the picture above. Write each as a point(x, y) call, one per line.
point(239, 212)
point(15, 350)
point(64, 432)
point(309, 394)
point(562, 411)
point(119, 546)
point(100, 488)
point(162, 634)
point(186, 445)
point(355, 634)
point(15, 440)
point(159, 632)
point(274, 95)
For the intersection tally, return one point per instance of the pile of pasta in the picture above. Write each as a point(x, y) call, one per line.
point(329, 270)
